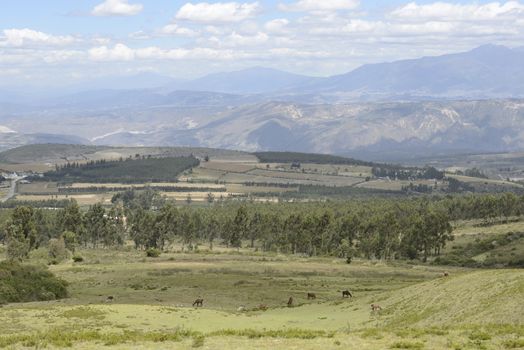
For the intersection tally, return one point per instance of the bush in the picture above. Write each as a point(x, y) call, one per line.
point(17, 250)
point(455, 259)
point(77, 258)
point(153, 253)
point(57, 250)
point(23, 283)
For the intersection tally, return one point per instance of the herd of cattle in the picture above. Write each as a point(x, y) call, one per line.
point(290, 303)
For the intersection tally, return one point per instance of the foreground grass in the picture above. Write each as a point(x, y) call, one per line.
point(492, 337)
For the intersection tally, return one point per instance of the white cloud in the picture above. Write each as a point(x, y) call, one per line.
point(328, 37)
point(354, 26)
point(277, 26)
point(221, 12)
point(139, 35)
point(101, 41)
point(58, 56)
point(236, 39)
point(22, 37)
point(320, 5)
point(122, 53)
point(119, 52)
point(175, 29)
point(155, 53)
point(444, 11)
point(117, 8)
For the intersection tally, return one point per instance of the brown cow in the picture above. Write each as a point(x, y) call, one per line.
point(375, 307)
point(346, 294)
point(311, 296)
point(199, 302)
point(290, 302)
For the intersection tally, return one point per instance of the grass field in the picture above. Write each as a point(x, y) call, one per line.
point(421, 309)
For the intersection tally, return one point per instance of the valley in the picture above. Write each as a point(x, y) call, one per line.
point(220, 175)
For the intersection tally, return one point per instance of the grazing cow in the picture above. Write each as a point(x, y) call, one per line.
point(290, 302)
point(199, 302)
point(445, 274)
point(375, 307)
point(311, 296)
point(346, 294)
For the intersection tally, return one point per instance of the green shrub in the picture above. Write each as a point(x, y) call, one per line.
point(77, 258)
point(455, 259)
point(22, 283)
point(407, 345)
point(153, 253)
point(479, 335)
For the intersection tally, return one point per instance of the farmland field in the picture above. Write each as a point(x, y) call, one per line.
point(233, 173)
point(384, 184)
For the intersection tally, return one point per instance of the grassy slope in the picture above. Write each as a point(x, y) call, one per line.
point(499, 245)
point(468, 311)
point(480, 297)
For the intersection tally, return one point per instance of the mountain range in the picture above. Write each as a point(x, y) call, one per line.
point(464, 102)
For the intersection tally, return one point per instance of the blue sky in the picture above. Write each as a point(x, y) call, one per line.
point(65, 41)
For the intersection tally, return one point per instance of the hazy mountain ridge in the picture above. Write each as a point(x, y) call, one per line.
point(489, 71)
point(485, 72)
point(367, 130)
point(266, 109)
point(354, 129)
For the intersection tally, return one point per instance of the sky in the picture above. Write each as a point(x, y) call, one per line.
point(57, 42)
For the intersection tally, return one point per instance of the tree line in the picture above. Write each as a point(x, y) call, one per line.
point(404, 173)
point(379, 228)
